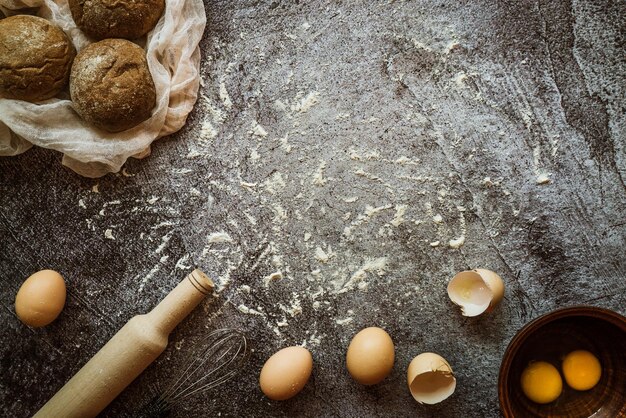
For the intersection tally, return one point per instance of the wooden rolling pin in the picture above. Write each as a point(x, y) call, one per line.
point(127, 354)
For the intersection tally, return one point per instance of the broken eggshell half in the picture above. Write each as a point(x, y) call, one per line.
point(476, 291)
point(430, 378)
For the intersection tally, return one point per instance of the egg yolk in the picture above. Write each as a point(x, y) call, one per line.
point(581, 370)
point(541, 382)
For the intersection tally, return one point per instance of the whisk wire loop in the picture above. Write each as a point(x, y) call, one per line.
point(225, 354)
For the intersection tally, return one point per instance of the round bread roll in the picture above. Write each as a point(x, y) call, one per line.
point(111, 86)
point(128, 19)
point(35, 58)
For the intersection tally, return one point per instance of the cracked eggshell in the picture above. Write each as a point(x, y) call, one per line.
point(430, 378)
point(476, 291)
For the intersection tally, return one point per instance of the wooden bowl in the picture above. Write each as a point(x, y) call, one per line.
point(549, 338)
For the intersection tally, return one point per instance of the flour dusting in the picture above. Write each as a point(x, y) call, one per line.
point(375, 265)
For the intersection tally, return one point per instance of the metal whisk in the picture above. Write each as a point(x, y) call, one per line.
point(225, 354)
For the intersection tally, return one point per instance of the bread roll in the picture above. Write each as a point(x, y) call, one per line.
point(128, 19)
point(111, 86)
point(35, 58)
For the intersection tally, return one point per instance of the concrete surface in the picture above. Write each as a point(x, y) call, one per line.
point(328, 138)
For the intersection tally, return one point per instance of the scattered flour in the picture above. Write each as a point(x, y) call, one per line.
point(295, 307)
point(180, 264)
point(398, 218)
point(194, 154)
point(275, 183)
point(407, 161)
point(258, 130)
point(375, 265)
point(224, 96)
point(305, 103)
point(218, 237)
point(152, 272)
point(181, 170)
point(162, 224)
point(543, 178)
point(369, 176)
point(284, 143)
point(165, 239)
point(249, 311)
point(207, 131)
point(248, 186)
point(371, 211)
point(457, 242)
point(323, 256)
point(272, 277)
point(314, 340)
point(344, 321)
point(318, 175)
point(460, 241)
point(369, 156)
point(459, 79)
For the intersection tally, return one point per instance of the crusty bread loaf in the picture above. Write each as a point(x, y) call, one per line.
point(35, 58)
point(111, 85)
point(128, 19)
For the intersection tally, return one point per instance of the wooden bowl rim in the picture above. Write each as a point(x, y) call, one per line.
point(521, 335)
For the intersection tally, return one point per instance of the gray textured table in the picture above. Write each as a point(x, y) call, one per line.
point(366, 151)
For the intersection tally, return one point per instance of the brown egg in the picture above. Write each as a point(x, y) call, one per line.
point(285, 373)
point(41, 298)
point(370, 356)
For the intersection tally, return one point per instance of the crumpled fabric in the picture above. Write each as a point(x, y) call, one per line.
point(173, 57)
